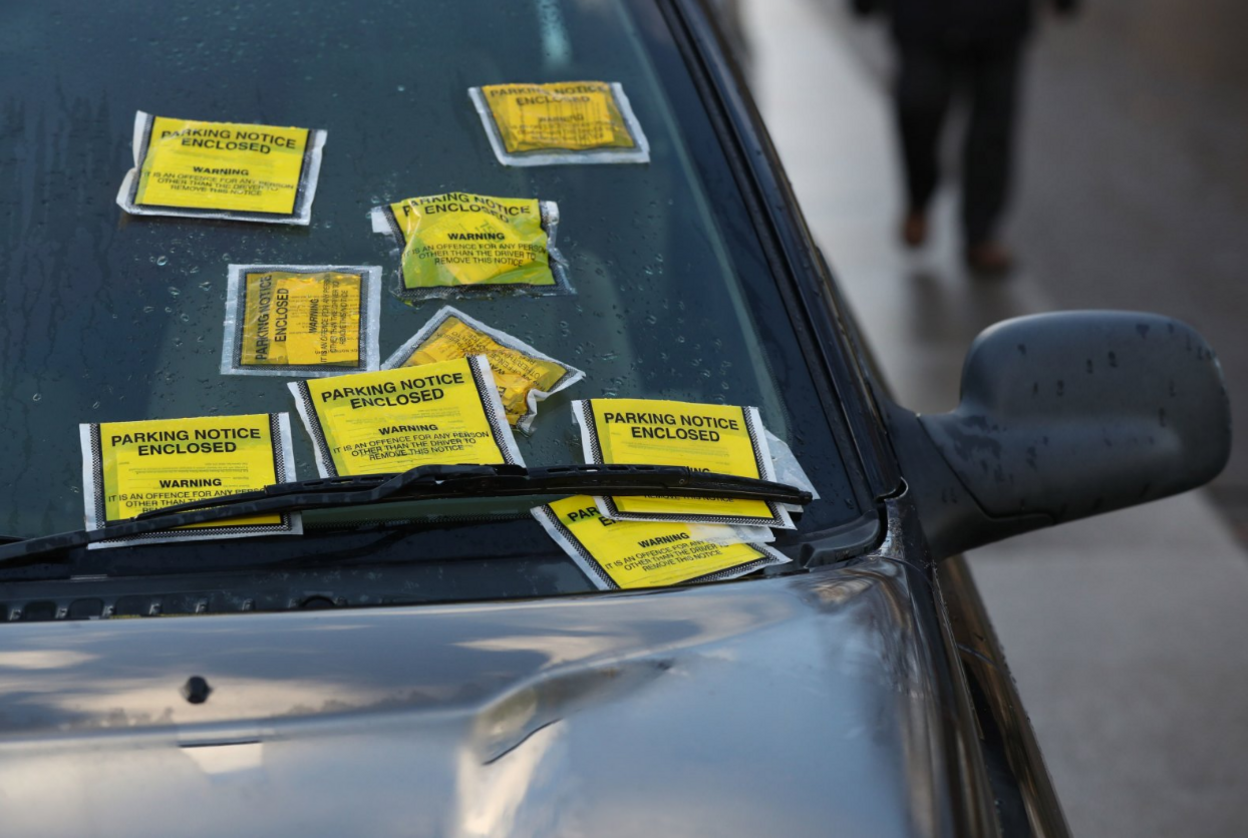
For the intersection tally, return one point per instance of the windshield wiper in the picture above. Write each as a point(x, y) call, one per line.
point(423, 483)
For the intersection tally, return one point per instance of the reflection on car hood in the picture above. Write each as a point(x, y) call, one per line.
point(798, 706)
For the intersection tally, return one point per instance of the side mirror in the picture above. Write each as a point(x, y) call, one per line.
point(1063, 416)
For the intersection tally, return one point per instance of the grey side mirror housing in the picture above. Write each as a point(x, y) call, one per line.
point(1063, 416)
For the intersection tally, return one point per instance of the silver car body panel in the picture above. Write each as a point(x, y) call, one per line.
point(800, 705)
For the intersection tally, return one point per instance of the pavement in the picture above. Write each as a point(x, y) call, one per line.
point(1125, 632)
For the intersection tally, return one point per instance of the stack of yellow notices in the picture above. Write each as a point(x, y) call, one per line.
point(706, 437)
point(307, 320)
point(222, 170)
point(524, 375)
point(562, 122)
point(134, 467)
point(629, 554)
point(390, 421)
point(459, 242)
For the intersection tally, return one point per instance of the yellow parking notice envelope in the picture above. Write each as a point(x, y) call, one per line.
point(389, 421)
point(705, 437)
point(617, 555)
point(307, 320)
point(574, 116)
point(222, 170)
point(561, 122)
point(133, 467)
point(524, 375)
point(459, 242)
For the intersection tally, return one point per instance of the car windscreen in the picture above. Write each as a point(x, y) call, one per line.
point(110, 317)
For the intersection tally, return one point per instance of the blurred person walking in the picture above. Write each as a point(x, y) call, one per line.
point(969, 47)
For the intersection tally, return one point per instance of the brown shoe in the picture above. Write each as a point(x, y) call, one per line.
point(914, 229)
point(989, 259)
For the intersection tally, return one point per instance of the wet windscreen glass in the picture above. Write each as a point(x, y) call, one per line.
point(115, 318)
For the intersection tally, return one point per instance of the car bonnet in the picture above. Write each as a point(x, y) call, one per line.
point(796, 705)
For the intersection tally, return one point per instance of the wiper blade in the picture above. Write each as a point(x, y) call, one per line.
point(423, 483)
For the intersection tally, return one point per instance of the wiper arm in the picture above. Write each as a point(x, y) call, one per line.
point(423, 483)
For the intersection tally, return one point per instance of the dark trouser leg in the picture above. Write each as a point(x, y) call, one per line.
point(924, 86)
point(993, 79)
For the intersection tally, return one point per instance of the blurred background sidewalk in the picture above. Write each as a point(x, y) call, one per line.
point(1127, 634)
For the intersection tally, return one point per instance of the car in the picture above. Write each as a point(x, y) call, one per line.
point(424, 658)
